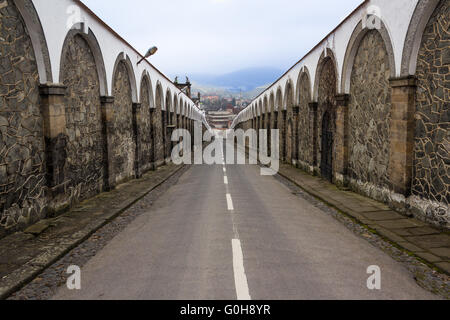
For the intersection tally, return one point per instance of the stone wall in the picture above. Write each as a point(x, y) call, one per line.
point(124, 147)
point(431, 174)
point(305, 151)
point(326, 103)
point(22, 155)
point(145, 129)
point(84, 162)
point(369, 115)
point(385, 132)
point(289, 138)
point(64, 142)
point(158, 126)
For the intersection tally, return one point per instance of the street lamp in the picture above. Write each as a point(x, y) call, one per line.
point(149, 53)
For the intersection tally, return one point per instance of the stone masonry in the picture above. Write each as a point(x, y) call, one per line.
point(84, 165)
point(22, 154)
point(124, 149)
point(431, 169)
point(369, 116)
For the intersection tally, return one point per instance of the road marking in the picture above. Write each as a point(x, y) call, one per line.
point(225, 180)
point(230, 202)
point(224, 169)
point(240, 279)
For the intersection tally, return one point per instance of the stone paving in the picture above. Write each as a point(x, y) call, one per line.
point(24, 255)
point(416, 237)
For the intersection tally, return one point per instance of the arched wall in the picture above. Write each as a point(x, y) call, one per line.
point(349, 61)
point(37, 37)
point(145, 129)
point(305, 134)
point(431, 168)
point(326, 89)
point(413, 40)
point(370, 111)
point(289, 133)
point(84, 137)
point(57, 55)
point(124, 147)
point(22, 160)
point(158, 124)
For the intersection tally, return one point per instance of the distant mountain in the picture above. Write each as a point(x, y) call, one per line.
point(249, 80)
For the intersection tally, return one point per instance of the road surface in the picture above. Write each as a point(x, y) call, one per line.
point(238, 235)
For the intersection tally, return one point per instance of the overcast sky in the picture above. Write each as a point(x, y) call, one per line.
point(220, 36)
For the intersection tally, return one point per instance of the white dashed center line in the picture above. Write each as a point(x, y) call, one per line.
point(230, 202)
point(240, 278)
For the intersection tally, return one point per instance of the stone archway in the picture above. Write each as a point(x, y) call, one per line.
point(124, 145)
point(158, 126)
point(85, 157)
point(326, 92)
point(146, 156)
point(22, 159)
point(369, 112)
point(431, 169)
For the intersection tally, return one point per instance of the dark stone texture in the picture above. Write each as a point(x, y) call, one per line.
point(145, 128)
point(326, 104)
point(305, 151)
point(432, 139)
point(83, 120)
point(158, 127)
point(369, 113)
point(22, 155)
point(124, 146)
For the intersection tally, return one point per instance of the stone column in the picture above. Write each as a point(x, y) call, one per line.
point(164, 134)
point(107, 109)
point(54, 118)
point(137, 139)
point(402, 126)
point(313, 129)
point(295, 119)
point(341, 141)
point(153, 139)
point(269, 134)
point(258, 127)
point(283, 135)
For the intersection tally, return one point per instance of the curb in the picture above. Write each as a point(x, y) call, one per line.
point(30, 270)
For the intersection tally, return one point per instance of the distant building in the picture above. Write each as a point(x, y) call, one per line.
point(220, 119)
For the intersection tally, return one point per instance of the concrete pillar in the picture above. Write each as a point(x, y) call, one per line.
point(295, 120)
point(137, 139)
point(402, 126)
point(341, 141)
point(314, 133)
point(107, 109)
point(54, 122)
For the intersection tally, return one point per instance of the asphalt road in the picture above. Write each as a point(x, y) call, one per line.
point(243, 237)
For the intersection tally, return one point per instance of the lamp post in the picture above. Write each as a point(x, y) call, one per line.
point(149, 53)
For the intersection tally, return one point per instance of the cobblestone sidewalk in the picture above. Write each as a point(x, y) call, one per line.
point(416, 237)
point(24, 255)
